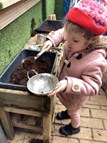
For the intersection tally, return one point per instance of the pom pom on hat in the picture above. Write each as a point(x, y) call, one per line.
point(91, 15)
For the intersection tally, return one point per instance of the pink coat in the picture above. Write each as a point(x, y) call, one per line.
point(84, 72)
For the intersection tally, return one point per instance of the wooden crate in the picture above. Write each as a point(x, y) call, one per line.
point(23, 102)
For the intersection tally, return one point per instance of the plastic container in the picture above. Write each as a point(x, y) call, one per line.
point(50, 25)
point(5, 77)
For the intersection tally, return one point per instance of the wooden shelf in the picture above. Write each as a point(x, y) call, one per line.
point(7, 3)
point(9, 14)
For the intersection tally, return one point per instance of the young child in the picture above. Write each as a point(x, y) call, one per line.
point(83, 62)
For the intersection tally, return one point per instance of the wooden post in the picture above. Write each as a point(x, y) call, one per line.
point(47, 128)
point(7, 124)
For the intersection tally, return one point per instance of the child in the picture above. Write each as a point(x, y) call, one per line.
point(83, 62)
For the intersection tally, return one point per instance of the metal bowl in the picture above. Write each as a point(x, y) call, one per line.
point(42, 84)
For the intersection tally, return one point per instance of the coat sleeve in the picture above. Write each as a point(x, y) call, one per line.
point(56, 37)
point(90, 82)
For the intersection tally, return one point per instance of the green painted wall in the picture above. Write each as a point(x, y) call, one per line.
point(50, 4)
point(54, 6)
point(15, 35)
point(48, 7)
point(59, 9)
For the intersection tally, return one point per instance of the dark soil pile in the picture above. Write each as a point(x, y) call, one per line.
point(36, 141)
point(41, 65)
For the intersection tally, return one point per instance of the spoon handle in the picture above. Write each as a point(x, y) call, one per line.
point(39, 54)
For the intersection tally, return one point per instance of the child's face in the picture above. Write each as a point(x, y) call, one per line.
point(76, 41)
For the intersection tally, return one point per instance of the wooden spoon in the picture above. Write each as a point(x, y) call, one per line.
point(37, 56)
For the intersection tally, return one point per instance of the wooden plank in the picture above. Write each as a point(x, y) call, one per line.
point(11, 13)
point(21, 99)
point(7, 3)
point(7, 124)
point(52, 108)
point(18, 92)
point(26, 101)
point(28, 127)
point(47, 121)
point(22, 111)
point(47, 128)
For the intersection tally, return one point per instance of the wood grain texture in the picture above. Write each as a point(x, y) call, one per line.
point(9, 14)
point(7, 3)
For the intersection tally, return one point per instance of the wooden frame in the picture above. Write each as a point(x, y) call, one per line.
point(21, 102)
point(7, 3)
point(9, 14)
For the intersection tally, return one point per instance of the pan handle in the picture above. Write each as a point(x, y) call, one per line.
point(29, 73)
point(56, 88)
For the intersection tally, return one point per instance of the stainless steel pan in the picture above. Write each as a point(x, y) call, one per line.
point(42, 84)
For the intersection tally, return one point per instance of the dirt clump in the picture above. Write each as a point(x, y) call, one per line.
point(41, 65)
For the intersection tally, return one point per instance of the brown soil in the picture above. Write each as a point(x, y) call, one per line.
point(41, 65)
point(36, 141)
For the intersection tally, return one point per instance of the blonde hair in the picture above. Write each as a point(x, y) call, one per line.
point(101, 43)
point(70, 26)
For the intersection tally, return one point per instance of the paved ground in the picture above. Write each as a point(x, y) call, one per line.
point(93, 124)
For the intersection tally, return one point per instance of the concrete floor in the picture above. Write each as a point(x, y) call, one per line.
point(93, 124)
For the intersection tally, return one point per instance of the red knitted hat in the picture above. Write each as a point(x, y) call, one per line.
point(91, 15)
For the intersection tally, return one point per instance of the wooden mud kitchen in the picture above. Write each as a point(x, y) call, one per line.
point(21, 102)
point(13, 101)
point(16, 99)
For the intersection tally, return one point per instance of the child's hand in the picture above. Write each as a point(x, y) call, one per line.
point(47, 45)
point(61, 87)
